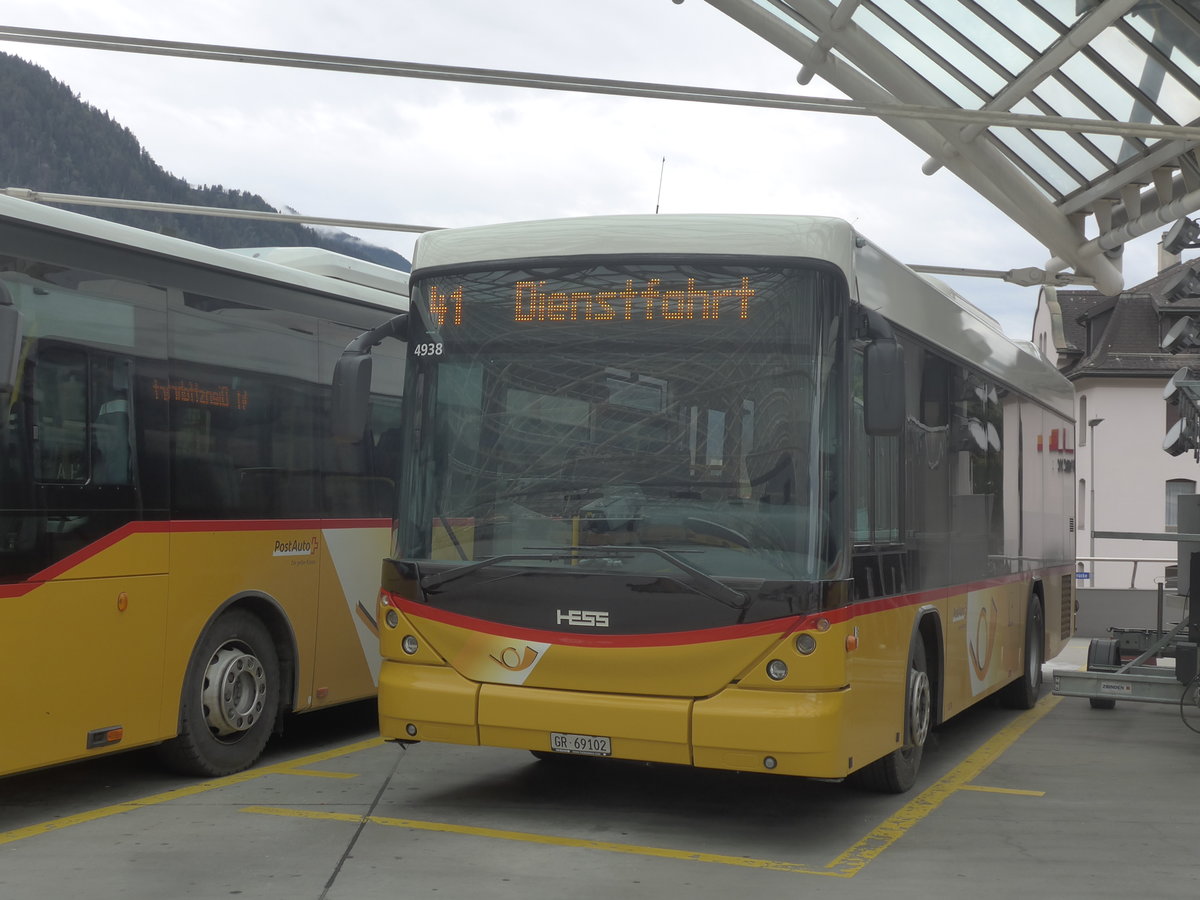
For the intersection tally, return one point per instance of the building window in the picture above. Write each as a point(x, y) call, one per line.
point(1175, 488)
point(1082, 431)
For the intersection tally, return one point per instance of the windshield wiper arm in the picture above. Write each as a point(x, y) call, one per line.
point(429, 582)
point(702, 581)
point(707, 585)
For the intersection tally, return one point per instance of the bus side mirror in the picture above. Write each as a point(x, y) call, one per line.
point(351, 396)
point(883, 388)
point(352, 379)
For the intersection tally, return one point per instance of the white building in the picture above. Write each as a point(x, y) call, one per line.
point(1110, 348)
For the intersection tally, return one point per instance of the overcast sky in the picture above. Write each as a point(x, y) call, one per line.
point(438, 153)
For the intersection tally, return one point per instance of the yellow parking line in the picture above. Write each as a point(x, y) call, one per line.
point(996, 790)
point(8, 837)
point(897, 825)
point(847, 865)
point(317, 773)
point(552, 840)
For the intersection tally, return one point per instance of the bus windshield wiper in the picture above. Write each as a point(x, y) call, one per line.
point(429, 582)
point(703, 582)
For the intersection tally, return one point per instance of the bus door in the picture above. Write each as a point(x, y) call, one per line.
point(82, 606)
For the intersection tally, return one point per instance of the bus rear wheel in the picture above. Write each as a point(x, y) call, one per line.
point(897, 772)
point(1023, 693)
point(230, 699)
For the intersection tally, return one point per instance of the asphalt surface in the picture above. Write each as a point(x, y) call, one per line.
point(1060, 801)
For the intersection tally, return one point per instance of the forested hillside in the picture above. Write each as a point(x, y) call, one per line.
point(52, 141)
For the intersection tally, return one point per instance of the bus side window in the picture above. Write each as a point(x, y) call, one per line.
point(879, 561)
point(112, 458)
point(62, 426)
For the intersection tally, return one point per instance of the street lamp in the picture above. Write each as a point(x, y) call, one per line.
point(1092, 423)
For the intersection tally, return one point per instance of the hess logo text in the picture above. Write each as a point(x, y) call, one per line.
point(589, 618)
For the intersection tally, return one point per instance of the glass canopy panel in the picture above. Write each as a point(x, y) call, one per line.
point(918, 58)
point(1120, 104)
point(1066, 11)
point(929, 35)
point(1075, 152)
point(1173, 34)
point(1033, 156)
point(1031, 29)
point(1144, 71)
point(1042, 58)
point(993, 44)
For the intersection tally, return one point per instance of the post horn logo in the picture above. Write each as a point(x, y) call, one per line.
point(985, 631)
point(515, 660)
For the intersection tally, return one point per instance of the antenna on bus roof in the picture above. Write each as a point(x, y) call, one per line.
point(658, 199)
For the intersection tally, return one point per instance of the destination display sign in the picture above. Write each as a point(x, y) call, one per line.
point(542, 302)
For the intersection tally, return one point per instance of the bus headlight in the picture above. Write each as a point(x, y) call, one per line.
point(409, 645)
point(805, 644)
point(777, 670)
point(392, 618)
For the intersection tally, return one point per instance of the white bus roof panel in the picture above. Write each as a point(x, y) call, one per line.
point(137, 239)
point(912, 302)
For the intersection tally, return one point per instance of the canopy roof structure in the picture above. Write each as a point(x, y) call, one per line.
point(1078, 119)
point(1106, 97)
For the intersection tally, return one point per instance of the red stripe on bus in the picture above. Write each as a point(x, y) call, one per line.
point(781, 627)
point(179, 526)
point(667, 639)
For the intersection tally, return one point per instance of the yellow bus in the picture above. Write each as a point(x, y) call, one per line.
point(182, 543)
point(737, 492)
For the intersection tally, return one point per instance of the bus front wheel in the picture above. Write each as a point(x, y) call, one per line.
point(230, 699)
point(897, 772)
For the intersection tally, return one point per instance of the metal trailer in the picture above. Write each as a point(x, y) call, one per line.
point(1125, 666)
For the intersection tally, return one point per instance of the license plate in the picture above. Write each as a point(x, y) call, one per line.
point(584, 744)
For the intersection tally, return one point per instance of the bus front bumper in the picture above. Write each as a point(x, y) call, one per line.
point(784, 732)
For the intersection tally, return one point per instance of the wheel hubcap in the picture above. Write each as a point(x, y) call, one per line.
point(235, 691)
point(920, 708)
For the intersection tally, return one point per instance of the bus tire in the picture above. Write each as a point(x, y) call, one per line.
point(897, 772)
point(230, 699)
point(1023, 693)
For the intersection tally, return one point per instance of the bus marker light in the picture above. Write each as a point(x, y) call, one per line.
point(777, 670)
point(122, 601)
point(105, 737)
point(822, 624)
point(806, 644)
point(852, 641)
point(769, 763)
point(410, 729)
point(409, 645)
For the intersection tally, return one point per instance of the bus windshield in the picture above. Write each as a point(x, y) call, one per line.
point(632, 416)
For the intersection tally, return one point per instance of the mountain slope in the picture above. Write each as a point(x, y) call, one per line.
point(52, 141)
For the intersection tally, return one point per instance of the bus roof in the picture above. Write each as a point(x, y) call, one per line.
point(913, 302)
point(319, 261)
point(338, 275)
point(726, 234)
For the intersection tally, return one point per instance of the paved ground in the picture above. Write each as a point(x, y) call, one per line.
point(1060, 801)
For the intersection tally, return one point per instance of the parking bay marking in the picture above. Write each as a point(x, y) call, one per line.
point(294, 766)
point(847, 865)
